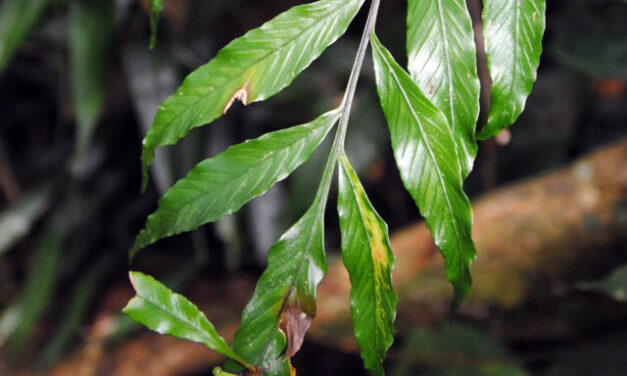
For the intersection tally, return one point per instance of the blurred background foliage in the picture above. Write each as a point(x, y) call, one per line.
point(79, 88)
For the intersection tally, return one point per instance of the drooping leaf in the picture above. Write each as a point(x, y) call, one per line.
point(91, 33)
point(284, 302)
point(442, 60)
point(43, 272)
point(158, 308)
point(614, 285)
point(369, 261)
point(221, 185)
point(426, 157)
point(16, 221)
point(251, 68)
point(512, 30)
point(17, 18)
point(154, 14)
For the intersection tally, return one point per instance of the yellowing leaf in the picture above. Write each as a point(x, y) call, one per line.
point(369, 261)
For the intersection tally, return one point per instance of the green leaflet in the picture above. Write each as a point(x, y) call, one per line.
point(17, 17)
point(221, 185)
point(512, 30)
point(614, 285)
point(369, 261)
point(426, 156)
point(155, 13)
point(91, 36)
point(17, 220)
point(166, 312)
point(286, 291)
point(249, 69)
point(442, 60)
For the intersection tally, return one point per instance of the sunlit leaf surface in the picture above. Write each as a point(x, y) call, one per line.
point(284, 300)
point(442, 60)
point(426, 157)
point(221, 185)
point(166, 312)
point(249, 69)
point(512, 30)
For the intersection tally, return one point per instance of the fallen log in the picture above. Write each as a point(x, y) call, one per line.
point(535, 239)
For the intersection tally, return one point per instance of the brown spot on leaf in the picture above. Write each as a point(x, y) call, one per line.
point(240, 95)
point(294, 324)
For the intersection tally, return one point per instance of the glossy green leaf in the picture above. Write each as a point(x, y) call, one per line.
point(221, 185)
point(442, 60)
point(91, 36)
point(512, 30)
point(614, 285)
point(154, 13)
point(369, 261)
point(426, 157)
point(285, 295)
point(158, 308)
point(17, 18)
point(17, 220)
point(251, 68)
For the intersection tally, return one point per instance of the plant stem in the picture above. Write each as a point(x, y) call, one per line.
point(347, 102)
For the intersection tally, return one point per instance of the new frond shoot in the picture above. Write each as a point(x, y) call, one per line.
point(431, 111)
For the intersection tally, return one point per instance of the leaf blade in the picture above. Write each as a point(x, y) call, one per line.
point(221, 185)
point(158, 308)
point(512, 31)
point(429, 166)
point(17, 18)
point(91, 36)
point(369, 261)
point(296, 264)
point(251, 68)
point(442, 61)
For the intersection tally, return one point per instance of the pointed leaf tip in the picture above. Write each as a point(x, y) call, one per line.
point(427, 158)
point(268, 59)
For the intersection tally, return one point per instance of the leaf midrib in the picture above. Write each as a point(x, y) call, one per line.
point(181, 319)
point(428, 146)
point(243, 71)
point(361, 218)
point(245, 171)
point(443, 34)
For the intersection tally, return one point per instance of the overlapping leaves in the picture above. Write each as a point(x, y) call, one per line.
point(431, 116)
point(442, 60)
point(251, 68)
point(428, 162)
point(222, 184)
